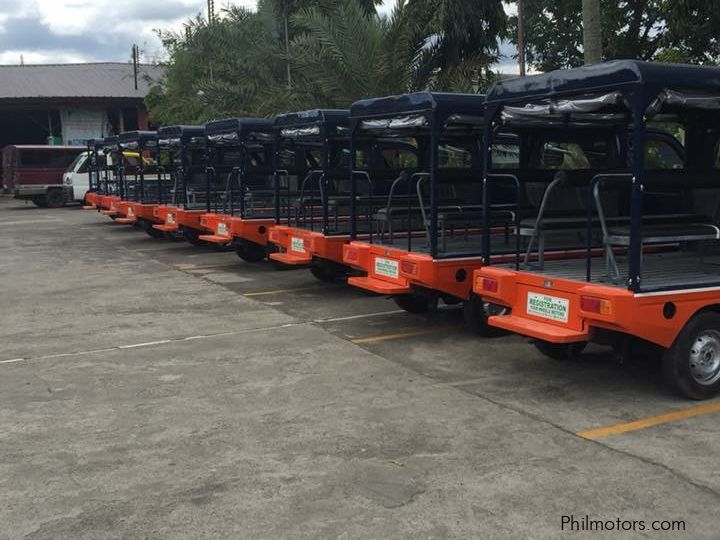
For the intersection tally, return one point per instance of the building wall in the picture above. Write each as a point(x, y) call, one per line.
point(78, 124)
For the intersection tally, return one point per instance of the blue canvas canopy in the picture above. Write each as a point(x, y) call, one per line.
point(140, 138)
point(616, 75)
point(182, 133)
point(238, 125)
point(336, 117)
point(442, 103)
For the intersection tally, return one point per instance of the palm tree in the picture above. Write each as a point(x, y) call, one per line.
point(592, 31)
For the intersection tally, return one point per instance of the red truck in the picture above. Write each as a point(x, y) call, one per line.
point(36, 173)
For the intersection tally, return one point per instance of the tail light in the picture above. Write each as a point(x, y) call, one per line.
point(408, 267)
point(490, 285)
point(352, 255)
point(592, 304)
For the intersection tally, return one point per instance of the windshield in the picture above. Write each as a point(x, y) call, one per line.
point(76, 162)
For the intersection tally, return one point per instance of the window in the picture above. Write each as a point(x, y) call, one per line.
point(505, 156)
point(46, 158)
point(399, 158)
point(660, 155)
point(561, 155)
point(455, 156)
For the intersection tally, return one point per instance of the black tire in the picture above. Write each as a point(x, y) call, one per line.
point(692, 364)
point(193, 236)
point(251, 252)
point(560, 351)
point(327, 272)
point(476, 312)
point(55, 198)
point(413, 303)
point(151, 231)
point(39, 201)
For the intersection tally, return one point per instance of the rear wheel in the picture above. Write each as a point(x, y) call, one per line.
point(149, 229)
point(476, 312)
point(55, 198)
point(560, 351)
point(251, 252)
point(39, 201)
point(414, 303)
point(327, 271)
point(692, 363)
point(193, 236)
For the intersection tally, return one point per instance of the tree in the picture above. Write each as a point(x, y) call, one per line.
point(638, 29)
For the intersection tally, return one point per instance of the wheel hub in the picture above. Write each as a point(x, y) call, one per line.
point(705, 358)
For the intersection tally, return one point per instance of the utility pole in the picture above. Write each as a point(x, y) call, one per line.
point(211, 10)
point(592, 32)
point(135, 62)
point(521, 37)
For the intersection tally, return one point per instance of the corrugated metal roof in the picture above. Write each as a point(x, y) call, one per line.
point(86, 81)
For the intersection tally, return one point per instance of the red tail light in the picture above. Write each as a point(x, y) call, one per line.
point(408, 267)
point(351, 255)
point(592, 304)
point(490, 285)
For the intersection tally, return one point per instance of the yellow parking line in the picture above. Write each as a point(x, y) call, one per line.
point(674, 416)
point(280, 291)
point(388, 337)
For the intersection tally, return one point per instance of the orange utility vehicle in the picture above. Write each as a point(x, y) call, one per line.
point(313, 176)
point(239, 187)
point(181, 156)
point(656, 278)
point(311, 171)
point(95, 167)
point(144, 186)
point(108, 193)
point(422, 242)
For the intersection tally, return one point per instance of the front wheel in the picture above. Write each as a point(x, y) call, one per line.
point(692, 363)
point(251, 252)
point(414, 303)
point(560, 351)
point(476, 312)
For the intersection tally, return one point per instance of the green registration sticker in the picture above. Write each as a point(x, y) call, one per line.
point(386, 267)
point(548, 307)
point(297, 244)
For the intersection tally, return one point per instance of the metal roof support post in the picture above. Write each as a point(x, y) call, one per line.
point(241, 178)
point(353, 186)
point(324, 179)
point(434, 182)
point(487, 159)
point(636, 197)
point(276, 163)
point(141, 171)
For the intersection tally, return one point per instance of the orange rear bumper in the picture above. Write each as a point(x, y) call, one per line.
point(171, 218)
point(224, 229)
point(566, 311)
point(393, 271)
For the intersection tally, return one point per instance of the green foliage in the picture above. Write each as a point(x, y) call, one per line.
point(666, 30)
point(338, 51)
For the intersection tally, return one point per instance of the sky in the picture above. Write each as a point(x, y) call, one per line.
point(62, 31)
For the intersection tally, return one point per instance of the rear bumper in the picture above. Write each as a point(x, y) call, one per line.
point(171, 219)
point(396, 271)
point(566, 311)
point(299, 247)
point(225, 229)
